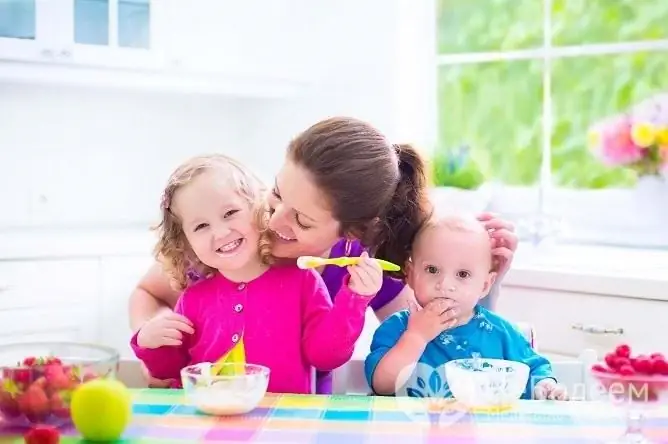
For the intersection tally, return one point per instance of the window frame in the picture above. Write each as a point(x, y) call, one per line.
point(613, 219)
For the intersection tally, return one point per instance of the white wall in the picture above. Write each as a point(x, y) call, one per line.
point(95, 158)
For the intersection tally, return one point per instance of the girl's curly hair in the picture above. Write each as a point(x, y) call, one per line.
point(172, 249)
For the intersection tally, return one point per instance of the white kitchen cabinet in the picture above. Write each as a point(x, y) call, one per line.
point(98, 33)
point(232, 47)
point(49, 299)
point(120, 275)
point(567, 322)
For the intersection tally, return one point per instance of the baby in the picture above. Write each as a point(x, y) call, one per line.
point(450, 271)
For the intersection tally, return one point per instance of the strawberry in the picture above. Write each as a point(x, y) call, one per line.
point(643, 364)
point(58, 406)
point(20, 376)
point(8, 405)
point(30, 361)
point(34, 404)
point(52, 360)
point(56, 377)
point(42, 435)
point(623, 351)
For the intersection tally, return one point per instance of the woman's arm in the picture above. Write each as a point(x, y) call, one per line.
point(153, 294)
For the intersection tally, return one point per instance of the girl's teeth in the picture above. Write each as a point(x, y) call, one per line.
point(230, 246)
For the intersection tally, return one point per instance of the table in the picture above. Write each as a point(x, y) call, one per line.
point(165, 417)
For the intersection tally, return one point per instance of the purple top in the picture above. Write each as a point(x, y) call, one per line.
point(333, 277)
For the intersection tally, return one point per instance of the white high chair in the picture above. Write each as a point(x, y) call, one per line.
point(572, 373)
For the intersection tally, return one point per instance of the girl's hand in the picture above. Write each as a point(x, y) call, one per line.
point(153, 382)
point(366, 277)
point(429, 321)
point(504, 241)
point(166, 328)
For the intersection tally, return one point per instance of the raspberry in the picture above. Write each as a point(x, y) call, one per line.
point(643, 364)
point(599, 368)
point(623, 351)
point(621, 362)
point(659, 366)
point(657, 356)
point(611, 360)
point(626, 370)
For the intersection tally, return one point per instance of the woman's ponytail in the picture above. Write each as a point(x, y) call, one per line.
point(409, 207)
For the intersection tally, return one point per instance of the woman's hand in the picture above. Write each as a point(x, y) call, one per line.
point(504, 241)
point(366, 277)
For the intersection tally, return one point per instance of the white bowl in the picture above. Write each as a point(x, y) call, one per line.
point(237, 393)
point(488, 383)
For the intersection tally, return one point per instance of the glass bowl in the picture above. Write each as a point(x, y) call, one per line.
point(486, 384)
point(37, 379)
point(635, 393)
point(237, 391)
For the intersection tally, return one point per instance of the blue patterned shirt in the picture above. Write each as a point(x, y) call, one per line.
point(486, 333)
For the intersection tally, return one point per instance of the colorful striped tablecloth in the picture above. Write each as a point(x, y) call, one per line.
point(164, 417)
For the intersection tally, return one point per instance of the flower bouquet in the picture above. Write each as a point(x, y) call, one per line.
point(636, 139)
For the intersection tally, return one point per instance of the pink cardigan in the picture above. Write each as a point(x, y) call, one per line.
point(286, 318)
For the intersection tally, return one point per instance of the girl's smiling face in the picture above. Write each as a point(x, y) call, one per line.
point(217, 223)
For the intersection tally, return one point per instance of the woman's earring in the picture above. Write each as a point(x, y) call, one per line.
point(349, 246)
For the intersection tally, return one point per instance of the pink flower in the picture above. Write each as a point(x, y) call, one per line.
point(612, 141)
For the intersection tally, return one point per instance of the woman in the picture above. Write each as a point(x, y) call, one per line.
point(342, 188)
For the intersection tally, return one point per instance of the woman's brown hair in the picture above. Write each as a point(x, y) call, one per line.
point(375, 189)
point(172, 249)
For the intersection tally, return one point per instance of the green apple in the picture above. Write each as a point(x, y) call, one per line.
point(101, 409)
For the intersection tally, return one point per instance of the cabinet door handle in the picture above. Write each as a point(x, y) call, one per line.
point(596, 330)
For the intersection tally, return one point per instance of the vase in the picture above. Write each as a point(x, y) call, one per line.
point(651, 198)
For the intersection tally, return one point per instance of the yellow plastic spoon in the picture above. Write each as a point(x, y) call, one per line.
point(305, 262)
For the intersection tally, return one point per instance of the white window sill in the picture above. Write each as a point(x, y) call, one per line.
point(623, 272)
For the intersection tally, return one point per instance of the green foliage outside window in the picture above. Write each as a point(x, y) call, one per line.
point(495, 108)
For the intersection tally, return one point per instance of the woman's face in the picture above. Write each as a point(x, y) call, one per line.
point(301, 221)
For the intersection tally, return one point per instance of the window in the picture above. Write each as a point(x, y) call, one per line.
point(521, 82)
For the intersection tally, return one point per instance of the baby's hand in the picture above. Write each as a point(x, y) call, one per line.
point(164, 329)
point(550, 389)
point(366, 277)
point(430, 321)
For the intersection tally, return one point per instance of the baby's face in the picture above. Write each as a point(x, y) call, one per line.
point(451, 263)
